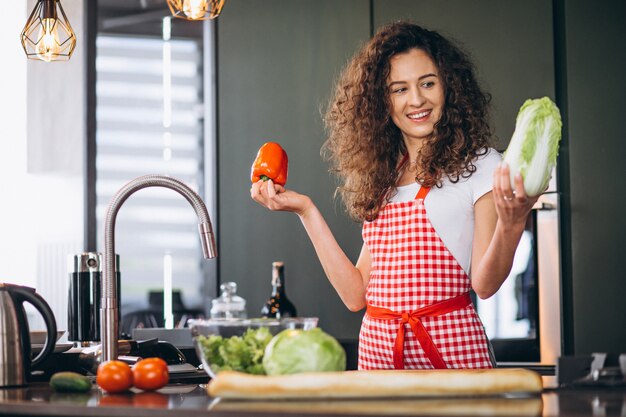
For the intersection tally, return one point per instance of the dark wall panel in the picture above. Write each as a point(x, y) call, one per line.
point(596, 58)
point(276, 64)
point(277, 61)
point(509, 42)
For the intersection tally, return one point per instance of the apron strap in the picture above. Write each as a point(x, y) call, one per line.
point(421, 194)
point(420, 332)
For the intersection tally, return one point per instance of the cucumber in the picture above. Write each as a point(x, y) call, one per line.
point(70, 382)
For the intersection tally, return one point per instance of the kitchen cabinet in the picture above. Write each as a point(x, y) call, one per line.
point(592, 90)
point(573, 51)
point(510, 44)
point(276, 63)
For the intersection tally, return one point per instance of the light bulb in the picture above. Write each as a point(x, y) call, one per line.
point(194, 9)
point(48, 45)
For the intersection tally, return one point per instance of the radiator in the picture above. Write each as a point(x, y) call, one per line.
point(53, 281)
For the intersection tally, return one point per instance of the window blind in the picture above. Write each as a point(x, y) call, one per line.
point(150, 121)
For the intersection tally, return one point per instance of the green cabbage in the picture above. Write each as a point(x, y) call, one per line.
point(535, 144)
point(293, 351)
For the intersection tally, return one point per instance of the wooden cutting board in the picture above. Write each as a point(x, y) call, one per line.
point(377, 384)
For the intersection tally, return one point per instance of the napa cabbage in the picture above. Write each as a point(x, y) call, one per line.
point(535, 144)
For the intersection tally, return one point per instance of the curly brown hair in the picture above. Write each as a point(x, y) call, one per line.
point(364, 146)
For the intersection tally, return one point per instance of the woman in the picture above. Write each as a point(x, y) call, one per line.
point(409, 138)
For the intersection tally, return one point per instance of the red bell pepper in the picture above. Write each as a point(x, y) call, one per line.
point(271, 163)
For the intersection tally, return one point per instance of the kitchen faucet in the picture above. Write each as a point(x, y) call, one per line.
point(109, 314)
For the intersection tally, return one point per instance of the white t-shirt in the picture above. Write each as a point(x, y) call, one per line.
point(451, 207)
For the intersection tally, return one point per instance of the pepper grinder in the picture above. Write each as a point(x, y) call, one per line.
point(83, 313)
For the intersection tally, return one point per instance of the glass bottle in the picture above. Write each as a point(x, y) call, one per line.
point(278, 306)
point(228, 305)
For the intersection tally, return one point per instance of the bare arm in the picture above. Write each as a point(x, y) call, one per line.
point(499, 221)
point(348, 280)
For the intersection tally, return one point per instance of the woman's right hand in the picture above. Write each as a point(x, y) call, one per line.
point(275, 197)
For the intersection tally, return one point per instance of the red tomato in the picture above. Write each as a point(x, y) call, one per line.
point(114, 376)
point(150, 374)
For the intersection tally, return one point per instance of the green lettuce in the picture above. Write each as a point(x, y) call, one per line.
point(237, 353)
point(294, 350)
point(535, 144)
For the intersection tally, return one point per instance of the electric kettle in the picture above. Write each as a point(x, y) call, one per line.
point(15, 351)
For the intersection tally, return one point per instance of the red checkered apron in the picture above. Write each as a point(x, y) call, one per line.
point(419, 314)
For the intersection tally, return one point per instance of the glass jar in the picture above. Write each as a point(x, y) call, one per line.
point(228, 305)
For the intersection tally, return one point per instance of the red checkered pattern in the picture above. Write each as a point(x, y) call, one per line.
point(412, 268)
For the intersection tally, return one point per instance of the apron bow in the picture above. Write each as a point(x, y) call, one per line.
point(413, 319)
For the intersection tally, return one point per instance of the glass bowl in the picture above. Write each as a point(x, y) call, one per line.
point(239, 344)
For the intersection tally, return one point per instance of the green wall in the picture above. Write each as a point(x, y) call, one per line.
point(276, 62)
point(505, 39)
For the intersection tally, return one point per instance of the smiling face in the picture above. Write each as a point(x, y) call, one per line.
point(416, 95)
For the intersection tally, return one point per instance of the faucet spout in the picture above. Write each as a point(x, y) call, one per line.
point(207, 239)
point(109, 314)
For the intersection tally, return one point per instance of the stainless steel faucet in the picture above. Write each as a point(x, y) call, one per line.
point(109, 314)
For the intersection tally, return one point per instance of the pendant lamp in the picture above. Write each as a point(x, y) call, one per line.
point(196, 9)
point(47, 35)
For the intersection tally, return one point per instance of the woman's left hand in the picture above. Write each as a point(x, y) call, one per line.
point(512, 206)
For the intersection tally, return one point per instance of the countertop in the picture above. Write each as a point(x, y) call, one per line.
point(191, 400)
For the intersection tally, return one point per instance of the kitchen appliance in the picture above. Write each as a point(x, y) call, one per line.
point(600, 369)
point(523, 319)
point(15, 349)
point(84, 294)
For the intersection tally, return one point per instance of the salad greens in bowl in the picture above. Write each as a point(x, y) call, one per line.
point(239, 344)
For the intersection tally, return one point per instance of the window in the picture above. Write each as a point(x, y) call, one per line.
point(149, 116)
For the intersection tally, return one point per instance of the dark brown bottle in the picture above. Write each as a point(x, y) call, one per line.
point(278, 306)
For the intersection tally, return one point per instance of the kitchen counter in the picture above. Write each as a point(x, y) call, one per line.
point(191, 400)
